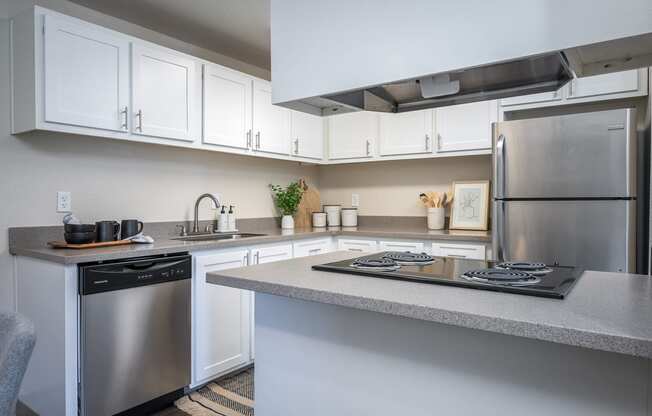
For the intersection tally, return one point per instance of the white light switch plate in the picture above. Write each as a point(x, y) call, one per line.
point(355, 200)
point(64, 201)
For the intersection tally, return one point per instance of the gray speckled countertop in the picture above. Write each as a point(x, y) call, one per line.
point(604, 311)
point(165, 244)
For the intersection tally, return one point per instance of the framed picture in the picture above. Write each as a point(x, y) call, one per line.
point(470, 209)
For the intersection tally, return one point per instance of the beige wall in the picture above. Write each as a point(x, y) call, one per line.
point(393, 188)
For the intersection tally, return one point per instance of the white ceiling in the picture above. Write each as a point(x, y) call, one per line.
point(236, 28)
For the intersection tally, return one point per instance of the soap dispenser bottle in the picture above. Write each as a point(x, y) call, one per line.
point(223, 224)
point(231, 219)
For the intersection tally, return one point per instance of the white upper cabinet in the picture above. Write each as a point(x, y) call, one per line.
point(543, 97)
point(86, 75)
point(406, 133)
point(466, 126)
point(352, 135)
point(606, 84)
point(271, 123)
point(227, 107)
point(307, 135)
point(163, 93)
point(624, 84)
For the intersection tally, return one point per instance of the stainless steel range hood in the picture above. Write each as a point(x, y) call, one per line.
point(523, 76)
point(341, 55)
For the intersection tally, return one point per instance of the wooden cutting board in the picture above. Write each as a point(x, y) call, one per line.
point(63, 244)
point(310, 202)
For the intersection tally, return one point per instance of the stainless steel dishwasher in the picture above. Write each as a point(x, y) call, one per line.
point(134, 333)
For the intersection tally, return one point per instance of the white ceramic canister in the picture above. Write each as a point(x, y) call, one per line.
point(436, 218)
point(319, 219)
point(333, 215)
point(349, 217)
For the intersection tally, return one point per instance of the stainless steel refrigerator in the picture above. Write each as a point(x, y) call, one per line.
point(565, 190)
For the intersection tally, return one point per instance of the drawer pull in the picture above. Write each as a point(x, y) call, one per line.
point(458, 256)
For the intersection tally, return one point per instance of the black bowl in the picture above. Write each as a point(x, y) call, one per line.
point(79, 228)
point(80, 238)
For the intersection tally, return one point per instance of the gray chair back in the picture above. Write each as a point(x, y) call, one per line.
point(17, 339)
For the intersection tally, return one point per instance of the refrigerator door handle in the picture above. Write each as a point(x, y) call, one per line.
point(500, 231)
point(500, 167)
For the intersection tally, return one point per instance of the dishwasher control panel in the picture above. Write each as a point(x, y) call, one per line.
point(125, 274)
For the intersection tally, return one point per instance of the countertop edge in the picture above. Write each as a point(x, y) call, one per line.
point(550, 333)
point(43, 253)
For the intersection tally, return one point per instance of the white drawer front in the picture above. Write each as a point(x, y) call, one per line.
point(362, 246)
point(312, 247)
point(413, 246)
point(464, 251)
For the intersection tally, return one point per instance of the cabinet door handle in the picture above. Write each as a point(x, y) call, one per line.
point(570, 87)
point(296, 146)
point(248, 138)
point(457, 256)
point(257, 257)
point(125, 112)
point(139, 114)
point(355, 249)
point(368, 148)
point(245, 260)
point(427, 142)
point(257, 140)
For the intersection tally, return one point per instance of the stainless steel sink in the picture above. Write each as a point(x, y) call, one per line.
point(213, 237)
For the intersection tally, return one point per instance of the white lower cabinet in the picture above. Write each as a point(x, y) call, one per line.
point(221, 317)
point(358, 245)
point(262, 255)
point(463, 251)
point(413, 246)
point(312, 247)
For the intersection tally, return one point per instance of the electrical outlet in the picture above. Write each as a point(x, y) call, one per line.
point(355, 200)
point(64, 201)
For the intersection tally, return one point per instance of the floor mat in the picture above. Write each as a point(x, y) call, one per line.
point(232, 396)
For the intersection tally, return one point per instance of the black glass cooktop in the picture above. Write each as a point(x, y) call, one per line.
point(525, 278)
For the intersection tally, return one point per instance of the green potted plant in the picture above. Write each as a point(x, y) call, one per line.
point(287, 201)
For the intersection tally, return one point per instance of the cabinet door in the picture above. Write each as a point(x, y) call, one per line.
point(606, 84)
point(264, 255)
point(413, 246)
point(86, 75)
point(271, 123)
point(227, 107)
point(406, 133)
point(352, 135)
point(162, 93)
point(465, 126)
point(221, 318)
point(361, 246)
point(307, 135)
point(312, 247)
point(462, 251)
point(543, 97)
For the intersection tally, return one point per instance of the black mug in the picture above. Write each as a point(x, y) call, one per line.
point(106, 231)
point(130, 228)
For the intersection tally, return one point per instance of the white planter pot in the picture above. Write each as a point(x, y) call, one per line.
point(436, 218)
point(287, 222)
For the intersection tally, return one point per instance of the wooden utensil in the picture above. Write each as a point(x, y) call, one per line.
point(310, 202)
point(63, 244)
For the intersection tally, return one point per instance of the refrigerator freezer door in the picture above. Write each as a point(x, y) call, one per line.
point(593, 235)
point(573, 156)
